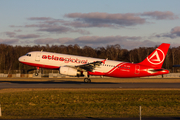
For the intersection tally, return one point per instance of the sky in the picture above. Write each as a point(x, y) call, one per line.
point(95, 23)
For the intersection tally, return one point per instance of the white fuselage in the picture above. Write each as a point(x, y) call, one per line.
point(55, 60)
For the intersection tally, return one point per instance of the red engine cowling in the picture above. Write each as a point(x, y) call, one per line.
point(68, 71)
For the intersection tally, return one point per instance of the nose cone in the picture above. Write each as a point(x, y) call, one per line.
point(21, 59)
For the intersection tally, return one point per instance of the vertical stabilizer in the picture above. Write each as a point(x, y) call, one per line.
point(157, 57)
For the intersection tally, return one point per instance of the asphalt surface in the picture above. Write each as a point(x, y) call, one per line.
point(77, 84)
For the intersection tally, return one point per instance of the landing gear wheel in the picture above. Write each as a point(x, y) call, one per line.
point(36, 74)
point(87, 80)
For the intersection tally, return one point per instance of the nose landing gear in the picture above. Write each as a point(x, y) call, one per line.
point(36, 74)
point(37, 71)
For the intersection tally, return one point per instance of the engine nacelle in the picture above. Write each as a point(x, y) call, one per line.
point(68, 71)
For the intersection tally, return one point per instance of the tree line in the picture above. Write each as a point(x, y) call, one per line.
point(10, 54)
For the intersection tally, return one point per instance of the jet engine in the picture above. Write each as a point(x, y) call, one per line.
point(68, 71)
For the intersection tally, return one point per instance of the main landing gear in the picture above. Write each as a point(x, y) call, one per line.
point(87, 80)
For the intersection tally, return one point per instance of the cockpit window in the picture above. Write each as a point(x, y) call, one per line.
point(28, 54)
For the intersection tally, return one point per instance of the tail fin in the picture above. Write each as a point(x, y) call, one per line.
point(157, 57)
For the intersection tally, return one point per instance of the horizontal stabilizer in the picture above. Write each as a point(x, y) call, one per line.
point(176, 65)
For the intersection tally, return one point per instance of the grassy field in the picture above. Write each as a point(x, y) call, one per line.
point(82, 103)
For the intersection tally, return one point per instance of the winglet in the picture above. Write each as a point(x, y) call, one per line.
point(104, 61)
point(157, 57)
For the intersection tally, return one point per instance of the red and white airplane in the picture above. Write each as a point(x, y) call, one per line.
point(72, 65)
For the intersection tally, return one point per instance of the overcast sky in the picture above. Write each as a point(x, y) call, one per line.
point(95, 23)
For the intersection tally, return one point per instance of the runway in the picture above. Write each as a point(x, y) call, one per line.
point(114, 83)
point(74, 83)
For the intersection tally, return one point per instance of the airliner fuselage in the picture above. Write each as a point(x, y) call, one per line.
point(75, 65)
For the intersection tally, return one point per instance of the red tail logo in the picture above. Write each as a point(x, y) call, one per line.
point(156, 58)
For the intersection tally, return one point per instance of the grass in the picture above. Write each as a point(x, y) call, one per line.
point(82, 103)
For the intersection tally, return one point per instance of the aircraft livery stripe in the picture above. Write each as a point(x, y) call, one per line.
point(112, 70)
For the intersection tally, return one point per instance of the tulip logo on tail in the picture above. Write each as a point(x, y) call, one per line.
point(156, 58)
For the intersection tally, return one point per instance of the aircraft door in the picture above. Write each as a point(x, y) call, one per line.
point(38, 57)
point(137, 69)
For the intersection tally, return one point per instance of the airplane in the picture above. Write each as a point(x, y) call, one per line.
point(79, 66)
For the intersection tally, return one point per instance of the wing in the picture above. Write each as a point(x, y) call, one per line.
point(90, 66)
